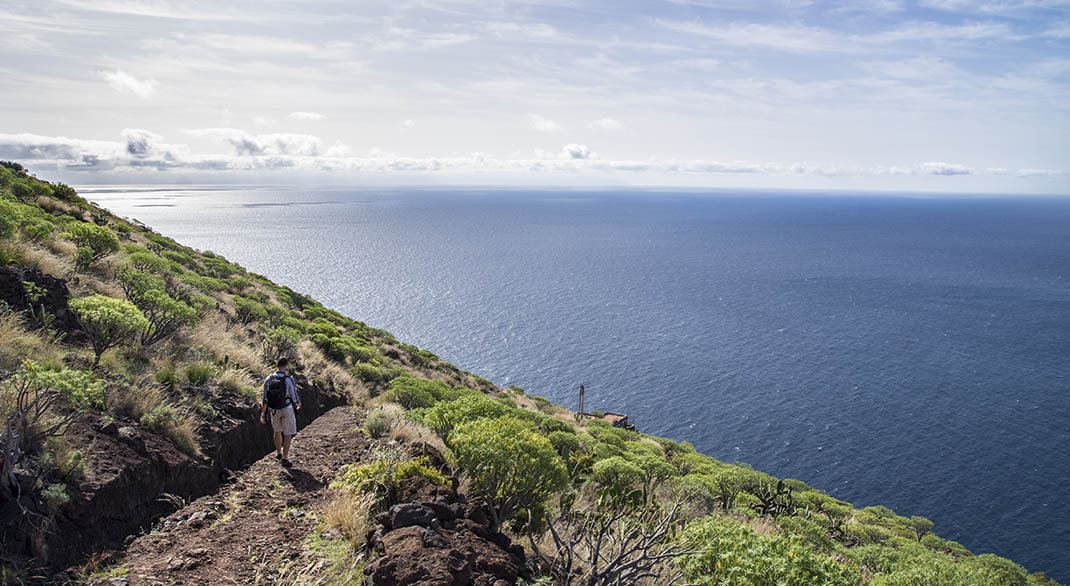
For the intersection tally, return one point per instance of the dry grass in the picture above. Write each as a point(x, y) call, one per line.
point(211, 333)
point(238, 379)
point(46, 261)
point(763, 526)
point(63, 248)
point(143, 395)
point(18, 343)
point(88, 284)
point(350, 514)
point(410, 432)
point(318, 366)
point(54, 206)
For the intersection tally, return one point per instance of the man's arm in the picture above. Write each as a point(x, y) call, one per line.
point(292, 386)
point(263, 403)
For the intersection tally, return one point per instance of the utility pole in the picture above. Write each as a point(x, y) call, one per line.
point(581, 400)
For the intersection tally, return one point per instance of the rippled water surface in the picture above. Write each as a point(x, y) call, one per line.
point(911, 352)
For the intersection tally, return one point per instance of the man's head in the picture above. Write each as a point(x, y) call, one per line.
point(282, 363)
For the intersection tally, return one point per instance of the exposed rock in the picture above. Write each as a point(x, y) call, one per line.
point(424, 543)
point(409, 514)
point(53, 300)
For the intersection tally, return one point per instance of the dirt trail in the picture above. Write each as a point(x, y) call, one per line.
point(239, 534)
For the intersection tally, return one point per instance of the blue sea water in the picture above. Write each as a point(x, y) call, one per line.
point(906, 351)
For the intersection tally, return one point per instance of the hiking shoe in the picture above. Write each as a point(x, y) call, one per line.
point(278, 456)
point(286, 463)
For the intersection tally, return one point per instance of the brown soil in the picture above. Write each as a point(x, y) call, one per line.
point(239, 534)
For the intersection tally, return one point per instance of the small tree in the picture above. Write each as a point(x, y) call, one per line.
point(600, 546)
point(136, 283)
point(164, 314)
point(99, 239)
point(511, 466)
point(617, 478)
point(28, 418)
point(247, 311)
point(107, 321)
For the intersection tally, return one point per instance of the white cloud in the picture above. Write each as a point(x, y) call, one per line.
point(1060, 30)
point(408, 123)
point(143, 149)
point(125, 83)
point(248, 145)
point(932, 31)
point(576, 151)
point(607, 124)
point(264, 121)
point(785, 37)
point(937, 168)
point(993, 6)
point(305, 116)
point(543, 124)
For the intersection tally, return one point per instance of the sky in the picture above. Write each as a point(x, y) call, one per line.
point(928, 95)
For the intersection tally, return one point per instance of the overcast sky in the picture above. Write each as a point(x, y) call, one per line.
point(941, 95)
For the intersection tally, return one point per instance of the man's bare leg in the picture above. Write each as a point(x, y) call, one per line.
point(286, 446)
point(279, 444)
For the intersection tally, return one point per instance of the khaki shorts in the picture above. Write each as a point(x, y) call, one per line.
point(284, 420)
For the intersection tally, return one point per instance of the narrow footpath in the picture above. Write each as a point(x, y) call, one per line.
point(252, 527)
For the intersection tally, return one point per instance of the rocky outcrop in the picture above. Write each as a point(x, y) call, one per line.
point(53, 295)
point(435, 537)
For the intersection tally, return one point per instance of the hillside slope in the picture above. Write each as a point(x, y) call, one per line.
point(130, 371)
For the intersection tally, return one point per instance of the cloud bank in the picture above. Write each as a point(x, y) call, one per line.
point(141, 149)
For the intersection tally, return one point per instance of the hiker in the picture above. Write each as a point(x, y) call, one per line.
point(280, 395)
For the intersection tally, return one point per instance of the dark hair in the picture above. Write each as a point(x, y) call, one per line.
point(282, 362)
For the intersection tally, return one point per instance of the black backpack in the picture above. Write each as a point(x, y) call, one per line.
point(277, 397)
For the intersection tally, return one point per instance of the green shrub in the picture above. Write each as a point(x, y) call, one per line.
point(81, 387)
point(382, 478)
point(368, 373)
point(55, 496)
point(164, 314)
point(550, 425)
point(148, 262)
point(10, 217)
point(414, 393)
point(199, 374)
point(136, 283)
point(100, 240)
point(282, 341)
point(22, 190)
point(378, 423)
point(168, 376)
point(445, 416)
point(247, 311)
point(108, 322)
point(38, 230)
point(616, 476)
point(66, 193)
point(732, 554)
point(511, 466)
point(565, 443)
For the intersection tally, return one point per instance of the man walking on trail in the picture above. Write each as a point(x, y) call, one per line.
point(280, 396)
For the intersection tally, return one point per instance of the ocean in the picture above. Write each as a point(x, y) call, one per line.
point(905, 350)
